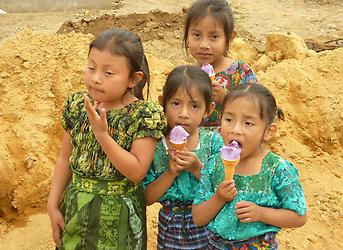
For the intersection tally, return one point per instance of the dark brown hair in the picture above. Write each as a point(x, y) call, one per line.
point(218, 9)
point(125, 43)
point(187, 76)
point(269, 111)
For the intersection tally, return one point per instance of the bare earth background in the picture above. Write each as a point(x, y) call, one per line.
point(42, 57)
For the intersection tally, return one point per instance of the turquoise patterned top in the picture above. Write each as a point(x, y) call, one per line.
point(185, 185)
point(238, 73)
point(134, 121)
point(277, 186)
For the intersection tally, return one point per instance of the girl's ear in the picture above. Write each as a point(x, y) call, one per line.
point(233, 35)
point(160, 100)
point(136, 78)
point(209, 110)
point(270, 132)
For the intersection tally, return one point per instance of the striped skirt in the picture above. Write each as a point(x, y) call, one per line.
point(176, 229)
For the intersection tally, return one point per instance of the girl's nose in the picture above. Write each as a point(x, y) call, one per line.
point(204, 44)
point(184, 112)
point(236, 128)
point(96, 78)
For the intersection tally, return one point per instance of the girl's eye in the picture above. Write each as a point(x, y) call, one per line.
point(175, 104)
point(227, 119)
point(91, 68)
point(215, 37)
point(194, 106)
point(108, 73)
point(196, 35)
point(249, 124)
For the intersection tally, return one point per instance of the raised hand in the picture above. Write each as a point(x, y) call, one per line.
point(97, 121)
point(218, 93)
point(189, 161)
point(226, 191)
point(174, 168)
point(248, 211)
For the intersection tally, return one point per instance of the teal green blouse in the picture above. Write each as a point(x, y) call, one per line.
point(185, 185)
point(277, 186)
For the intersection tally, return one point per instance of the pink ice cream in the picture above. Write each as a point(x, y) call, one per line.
point(209, 70)
point(178, 135)
point(231, 152)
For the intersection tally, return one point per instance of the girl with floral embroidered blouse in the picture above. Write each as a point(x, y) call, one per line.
point(265, 195)
point(109, 142)
point(173, 175)
point(209, 32)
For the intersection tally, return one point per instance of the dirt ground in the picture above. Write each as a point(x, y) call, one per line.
point(42, 59)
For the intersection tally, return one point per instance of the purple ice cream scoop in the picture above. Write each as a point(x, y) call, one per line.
point(209, 70)
point(178, 135)
point(231, 152)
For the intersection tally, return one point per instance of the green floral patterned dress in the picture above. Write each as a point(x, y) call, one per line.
point(102, 208)
point(277, 186)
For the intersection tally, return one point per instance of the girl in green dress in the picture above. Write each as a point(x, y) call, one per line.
point(173, 176)
point(109, 141)
point(266, 194)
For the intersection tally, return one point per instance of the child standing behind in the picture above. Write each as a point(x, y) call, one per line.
point(266, 194)
point(173, 176)
point(108, 145)
point(208, 34)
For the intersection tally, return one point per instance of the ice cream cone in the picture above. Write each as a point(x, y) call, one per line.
point(181, 146)
point(229, 167)
point(178, 138)
point(213, 77)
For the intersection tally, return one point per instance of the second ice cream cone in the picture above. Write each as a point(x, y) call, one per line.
point(229, 167)
point(181, 146)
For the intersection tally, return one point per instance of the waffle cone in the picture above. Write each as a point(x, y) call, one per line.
point(229, 167)
point(181, 146)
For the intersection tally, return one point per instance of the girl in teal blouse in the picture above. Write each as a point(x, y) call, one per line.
point(265, 195)
point(173, 176)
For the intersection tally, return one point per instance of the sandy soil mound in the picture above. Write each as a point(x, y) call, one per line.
point(39, 71)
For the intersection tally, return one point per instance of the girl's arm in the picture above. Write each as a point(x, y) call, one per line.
point(157, 188)
point(62, 173)
point(59, 181)
point(205, 212)
point(134, 164)
point(284, 218)
point(288, 189)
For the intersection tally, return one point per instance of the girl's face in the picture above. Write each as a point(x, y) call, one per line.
point(186, 109)
point(107, 77)
point(241, 122)
point(207, 41)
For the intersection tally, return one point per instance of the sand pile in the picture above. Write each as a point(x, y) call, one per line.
point(39, 71)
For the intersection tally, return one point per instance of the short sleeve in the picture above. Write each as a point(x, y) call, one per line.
point(247, 75)
point(206, 187)
point(72, 107)
point(150, 176)
point(149, 121)
point(288, 189)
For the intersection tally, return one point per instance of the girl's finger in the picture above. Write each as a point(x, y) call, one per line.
point(102, 114)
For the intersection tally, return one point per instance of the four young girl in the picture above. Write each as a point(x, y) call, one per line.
point(110, 140)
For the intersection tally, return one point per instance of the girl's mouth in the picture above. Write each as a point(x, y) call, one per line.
point(239, 144)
